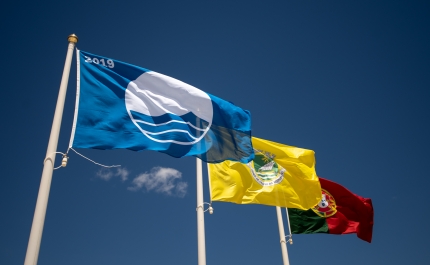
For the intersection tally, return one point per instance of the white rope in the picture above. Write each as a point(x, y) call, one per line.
point(70, 148)
point(49, 158)
point(210, 209)
point(289, 240)
point(289, 228)
point(209, 181)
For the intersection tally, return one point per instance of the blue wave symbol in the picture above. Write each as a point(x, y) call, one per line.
point(184, 129)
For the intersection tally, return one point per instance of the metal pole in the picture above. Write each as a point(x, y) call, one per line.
point(45, 183)
point(282, 237)
point(201, 244)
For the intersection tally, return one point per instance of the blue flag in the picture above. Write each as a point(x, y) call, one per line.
point(120, 105)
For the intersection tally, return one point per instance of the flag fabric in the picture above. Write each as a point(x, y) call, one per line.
point(339, 212)
point(120, 105)
point(279, 175)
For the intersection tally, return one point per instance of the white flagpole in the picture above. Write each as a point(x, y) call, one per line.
point(201, 244)
point(282, 237)
point(45, 183)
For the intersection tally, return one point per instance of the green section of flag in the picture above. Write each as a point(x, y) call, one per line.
point(306, 222)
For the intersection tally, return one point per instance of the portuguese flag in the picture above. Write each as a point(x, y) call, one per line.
point(339, 212)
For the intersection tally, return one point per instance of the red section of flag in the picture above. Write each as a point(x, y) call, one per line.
point(354, 213)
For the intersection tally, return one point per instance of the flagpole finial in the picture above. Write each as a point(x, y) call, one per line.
point(72, 38)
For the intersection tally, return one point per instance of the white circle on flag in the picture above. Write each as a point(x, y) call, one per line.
point(187, 110)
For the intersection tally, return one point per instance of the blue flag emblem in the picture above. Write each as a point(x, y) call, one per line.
point(120, 105)
point(156, 105)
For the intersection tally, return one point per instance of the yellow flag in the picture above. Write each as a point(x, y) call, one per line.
point(279, 175)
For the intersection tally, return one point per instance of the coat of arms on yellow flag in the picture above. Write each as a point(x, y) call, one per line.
point(280, 175)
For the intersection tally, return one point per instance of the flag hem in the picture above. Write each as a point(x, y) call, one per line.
point(78, 87)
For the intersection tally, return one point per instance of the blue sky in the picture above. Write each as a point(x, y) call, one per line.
point(347, 79)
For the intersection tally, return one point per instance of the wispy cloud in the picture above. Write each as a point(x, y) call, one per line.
point(161, 180)
point(122, 173)
point(107, 173)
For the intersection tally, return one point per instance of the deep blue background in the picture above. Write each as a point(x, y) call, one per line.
point(348, 79)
